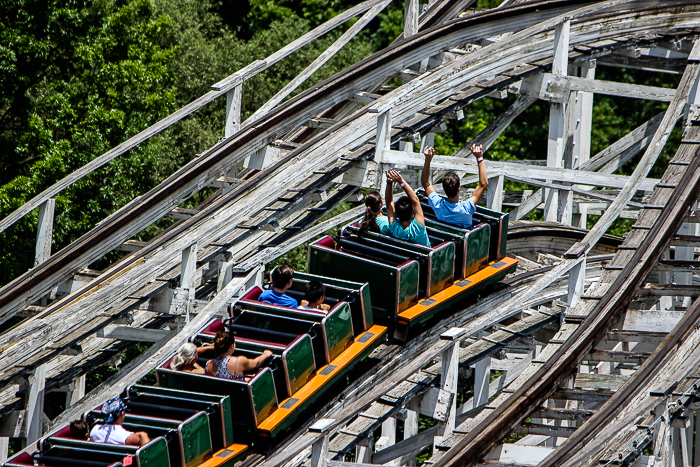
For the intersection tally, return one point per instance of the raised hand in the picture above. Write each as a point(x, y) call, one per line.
point(394, 176)
point(429, 152)
point(477, 151)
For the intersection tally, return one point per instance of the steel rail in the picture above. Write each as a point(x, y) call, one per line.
point(558, 368)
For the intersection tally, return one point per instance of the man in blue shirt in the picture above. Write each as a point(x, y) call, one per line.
point(453, 211)
point(406, 220)
point(281, 281)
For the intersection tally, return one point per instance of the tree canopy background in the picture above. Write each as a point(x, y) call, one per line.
point(79, 77)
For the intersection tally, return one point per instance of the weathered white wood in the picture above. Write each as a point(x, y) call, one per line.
point(363, 451)
point(518, 454)
point(319, 452)
point(612, 88)
point(494, 193)
point(517, 171)
point(76, 391)
point(128, 333)
point(388, 437)
point(410, 426)
point(410, 18)
point(582, 135)
point(557, 117)
point(448, 383)
point(234, 104)
point(34, 404)
point(651, 321)
point(4, 448)
point(577, 277)
point(188, 268)
point(319, 62)
point(44, 233)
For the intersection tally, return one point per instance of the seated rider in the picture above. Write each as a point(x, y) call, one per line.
point(79, 430)
point(314, 293)
point(186, 358)
point(228, 367)
point(453, 211)
point(374, 220)
point(112, 432)
point(406, 220)
point(281, 281)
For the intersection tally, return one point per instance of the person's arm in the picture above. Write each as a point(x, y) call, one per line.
point(139, 438)
point(483, 179)
point(429, 152)
point(211, 368)
point(415, 202)
point(204, 348)
point(389, 198)
point(250, 364)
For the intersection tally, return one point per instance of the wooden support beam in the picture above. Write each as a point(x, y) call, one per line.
point(651, 320)
point(319, 449)
point(44, 233)
point(577, 278)
point(583, 395)
point(76, 391)
point(494, 193)
point(448, 384)
point(319, 62)
point(666, 290)
point(544, 430)
point(187, 279)
point(617, 356)
point(234, 104)
point(34, 405)
point(128, 333)
point(411, 14)
point(553, 413)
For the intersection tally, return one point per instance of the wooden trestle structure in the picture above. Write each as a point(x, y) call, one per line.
point(596, 338)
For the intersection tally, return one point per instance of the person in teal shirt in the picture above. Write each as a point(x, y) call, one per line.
point(374, 220)
point(406, 220)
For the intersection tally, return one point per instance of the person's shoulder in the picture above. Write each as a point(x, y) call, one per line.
point(468, 205)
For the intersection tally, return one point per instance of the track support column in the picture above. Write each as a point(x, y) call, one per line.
point(577, 278)
point(187, 270)
point(34, 405)
point(76, 391)
point(234, 99)
point(494, 193)
point(582, 136)
point(410, 426)
point(557, 118)
point(448, 384)
point(319, 449)
point(45, 231)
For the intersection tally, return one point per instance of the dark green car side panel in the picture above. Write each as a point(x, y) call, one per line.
point(299, 362)
point(409, 275)
point(503, 219)
point(195, 438)
point(442, 267)
point(338, 330)
point(477, 248)
point(262, 391)
point(154, 454)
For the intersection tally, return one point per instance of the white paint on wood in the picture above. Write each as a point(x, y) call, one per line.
point(76, 391)
point(234, 104)
point(519, 454)
point(651, 321)
point(4, 448)
point(44, 233)
point(34, 404)
point(128, 333)
point(494, 193)
point(410, 18)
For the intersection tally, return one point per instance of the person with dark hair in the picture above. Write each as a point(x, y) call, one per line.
point(453, 211)
point(315, 293)
point(406, 220)
point(112, 431)
point(374, 220)
point(79, 430)
point(281, 281)
point(228, 367)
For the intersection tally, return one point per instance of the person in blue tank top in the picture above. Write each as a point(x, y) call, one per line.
point(406, 220)
point(281, 281)
point(374, 220)
point(453, 211)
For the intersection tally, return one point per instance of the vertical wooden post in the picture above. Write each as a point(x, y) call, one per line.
point(448, 383)
point(4, 448)
point(319, 449)
point(557, 116)
point(234, 99)
point(410, 426)
point(383, 144)
point(363, 451)
point(76, 391)
point(388, 437)
point(686, 253)
point(577, 277)
point(187, 270)
point(410, 18)
point(582, 135)
point(34, 405)
point(44, 233)
point(693, 109)
point(494, 193)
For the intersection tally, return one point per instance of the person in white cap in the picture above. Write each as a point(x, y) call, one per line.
point(112, 431)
